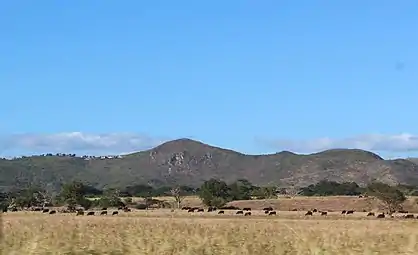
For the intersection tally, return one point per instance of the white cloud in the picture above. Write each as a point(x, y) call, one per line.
point(76, 142)
point(373, 142)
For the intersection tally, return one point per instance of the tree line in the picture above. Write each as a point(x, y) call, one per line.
point(212, 192)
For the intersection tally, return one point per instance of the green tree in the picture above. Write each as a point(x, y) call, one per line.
point(214, 193)
point(110, 198)
point(390, 196)
point(241, 190)
point(73, 194)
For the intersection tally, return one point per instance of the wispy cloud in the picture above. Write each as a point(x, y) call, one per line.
point(374, 142)
point(76, 142)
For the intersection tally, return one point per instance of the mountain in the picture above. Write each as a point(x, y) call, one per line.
point(190, 162)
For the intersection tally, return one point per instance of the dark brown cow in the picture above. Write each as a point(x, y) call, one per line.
point(115, 212)
point(402, 211)
point(221, 212)
point(268, 209)
point(103, 213)
point(266, 212)
point(350, 212)
point(200, 210)
point(371, 214)
point(247, 214)
point(45, 210)
point(247, 209)
point(308, 213)
point(190, 210)
point(90, 213)
point(381, 216)
point(240, 212)
point(272, 213)
point(324, 213)
point(80, 213)
point(344, 212)
point(295, 210)
point(104, 208)
point(314, 210)
point(409, 216)
point(53, 212)
point(127, 209)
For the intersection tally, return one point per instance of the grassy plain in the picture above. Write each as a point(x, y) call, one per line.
point(166, 232)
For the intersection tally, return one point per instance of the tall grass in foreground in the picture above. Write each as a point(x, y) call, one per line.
point(64, 234)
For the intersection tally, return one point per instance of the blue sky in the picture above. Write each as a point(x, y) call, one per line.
point(254, 76)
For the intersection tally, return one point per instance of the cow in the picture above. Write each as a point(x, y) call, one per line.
point(402, 211)
point(247, 209)
point(314, 210)
point(103, 213)
point(308, 213)
point(190, 210)
point(90, 213)
point(381, 216)
point(239, 212)
point(344, 212)
point(221, 212)
point(295, 210)
point(370, 214)
point(268, 208)
point(324, 213)
point(186, 208)
point(266, 211)
point(115, 213)
point(409, 216)
point(53, 212)
point(127, 209)
point(14, 209)
point(247, 214)
point(104, 209)
point(45, 210)
point(200, 210)
point(80, 213)
point(272, 213)
point(350, 212)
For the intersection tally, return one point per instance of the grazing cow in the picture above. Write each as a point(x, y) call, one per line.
point(344, 212)
point(360, 196)
point(104, 208)
point(314, 210)
point(350, 212)
point(80, 213)
point(268, 209)
point(37, 209)
point(200, 210)
point(221, 212)
point(247, 209)
point(103, 213)
point(190, 210)
point(211, 209)
point(308, 213)
point(240, 212)
point(52, 212)
point(272, 213)
point(115, 213)
point(186, 208)
point(90, 213)
point(380, 216)
point(371, 214)
point(266, 212)
point(247, 214)
point(295, 210)
point(324, 213)
point(409, 216)
point(45, 210)
point(402, 211)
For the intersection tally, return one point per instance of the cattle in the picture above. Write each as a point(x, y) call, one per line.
point(268, 209)
point(295, 210)
point(370, 214)
point(314, 210)
point(104, 208)
point(247, 214)
point(103, 213)
point(272, 213)
point(266, 212)
point(344, 212)
point(240, 212)
point(80, 213)
point(127, 209)
point(52, 212)
point(402, 211)
point(350, 212)
point(4, 210)
point(324, 213)
point(45, 210)
point(247, 209)
point(409, 216)
point(211, 209)
point(308, 213)
point(221, 212)
point(380, 216)
point(190, 210)
point(90, 213)
point(186, 208)
point(200, 210)
point(14, 209)
point(115, 213)
point(37, 209)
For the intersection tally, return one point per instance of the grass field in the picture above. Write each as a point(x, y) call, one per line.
point(165, 232)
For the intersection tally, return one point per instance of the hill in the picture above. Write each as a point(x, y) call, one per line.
point(190, 162)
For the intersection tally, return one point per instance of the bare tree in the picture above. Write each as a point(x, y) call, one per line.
point(292, 191)
point(178, 195)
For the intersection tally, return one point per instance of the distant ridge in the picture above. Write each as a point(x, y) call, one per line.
point(190, 162)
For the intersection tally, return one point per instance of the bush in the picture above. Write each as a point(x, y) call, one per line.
point(141, 206)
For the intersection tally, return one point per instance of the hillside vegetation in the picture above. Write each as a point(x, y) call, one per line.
point(189, 162)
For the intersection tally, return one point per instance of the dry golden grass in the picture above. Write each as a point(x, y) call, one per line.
point(163, 232)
